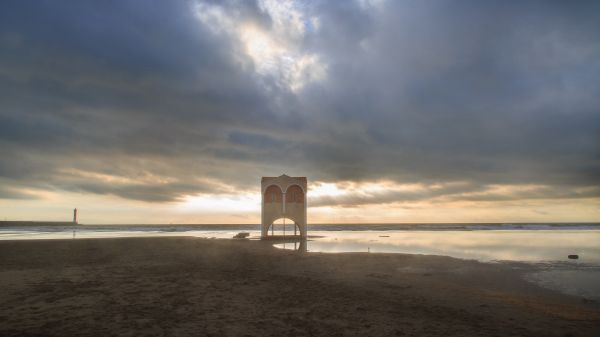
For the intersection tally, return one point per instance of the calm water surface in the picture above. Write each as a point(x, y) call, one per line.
point(548, 249)
point(547, 246)
point(488, 245)
point(536, 245)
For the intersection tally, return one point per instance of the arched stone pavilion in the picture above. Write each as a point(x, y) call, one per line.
point(283, 197)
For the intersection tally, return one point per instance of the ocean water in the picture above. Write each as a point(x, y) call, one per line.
point(483, 242)
point(546, 245)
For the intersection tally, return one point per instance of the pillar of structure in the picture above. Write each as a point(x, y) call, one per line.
point(75, 216)
point(283, 197)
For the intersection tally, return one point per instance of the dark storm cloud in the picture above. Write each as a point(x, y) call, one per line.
point(144, 192)
point(446, 90)
point(415, 92)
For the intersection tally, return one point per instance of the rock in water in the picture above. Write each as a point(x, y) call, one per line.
point(573, 257)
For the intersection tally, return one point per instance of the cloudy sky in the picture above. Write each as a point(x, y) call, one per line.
point(396, 111)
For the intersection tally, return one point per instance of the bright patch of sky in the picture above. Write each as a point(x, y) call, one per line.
point(276, 52)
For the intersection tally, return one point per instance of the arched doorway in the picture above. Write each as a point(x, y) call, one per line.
point(283, 227)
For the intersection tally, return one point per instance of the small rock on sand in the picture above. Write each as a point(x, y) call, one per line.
point(241, 235)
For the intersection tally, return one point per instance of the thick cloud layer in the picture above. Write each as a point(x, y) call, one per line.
point(158, 100)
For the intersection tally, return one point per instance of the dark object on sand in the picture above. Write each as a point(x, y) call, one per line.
point(573, 257)
point(241, 235)
point(384, 236)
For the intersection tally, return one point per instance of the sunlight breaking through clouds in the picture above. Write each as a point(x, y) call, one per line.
point(393, 110)
point(354, 194)
point(275, 50)
point(226, 203)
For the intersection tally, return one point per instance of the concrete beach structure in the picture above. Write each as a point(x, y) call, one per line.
point(283, 197)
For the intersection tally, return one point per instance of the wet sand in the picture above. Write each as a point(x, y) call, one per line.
point(188, 286)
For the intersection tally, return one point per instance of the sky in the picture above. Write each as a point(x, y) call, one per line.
point(404, 111)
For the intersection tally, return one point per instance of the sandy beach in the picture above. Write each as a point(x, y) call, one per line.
point(202, 287)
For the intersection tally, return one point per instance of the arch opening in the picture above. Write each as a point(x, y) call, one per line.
point(283, 227)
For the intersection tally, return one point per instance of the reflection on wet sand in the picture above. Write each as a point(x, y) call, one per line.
point(548, 250)
point(299, 244)
point(518, 245)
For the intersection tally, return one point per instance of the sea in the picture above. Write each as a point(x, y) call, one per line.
point(566, 256)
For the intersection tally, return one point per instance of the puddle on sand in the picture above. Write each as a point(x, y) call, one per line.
point(578, 282)
point(551, 248)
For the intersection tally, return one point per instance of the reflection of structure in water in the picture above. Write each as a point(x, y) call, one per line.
point(283, 197)
point(299, 245)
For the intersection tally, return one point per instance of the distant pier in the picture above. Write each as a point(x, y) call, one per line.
point(35, 223)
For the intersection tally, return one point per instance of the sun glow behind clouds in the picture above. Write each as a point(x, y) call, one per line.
point(226, 203)
point(320, 189)
point(275, 51)
point(342, 202)
point(263, 50)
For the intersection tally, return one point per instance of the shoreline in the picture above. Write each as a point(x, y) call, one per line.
point(246, 287)
point(375, 226)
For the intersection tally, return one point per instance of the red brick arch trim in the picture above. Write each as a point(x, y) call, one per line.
point(273, 194)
